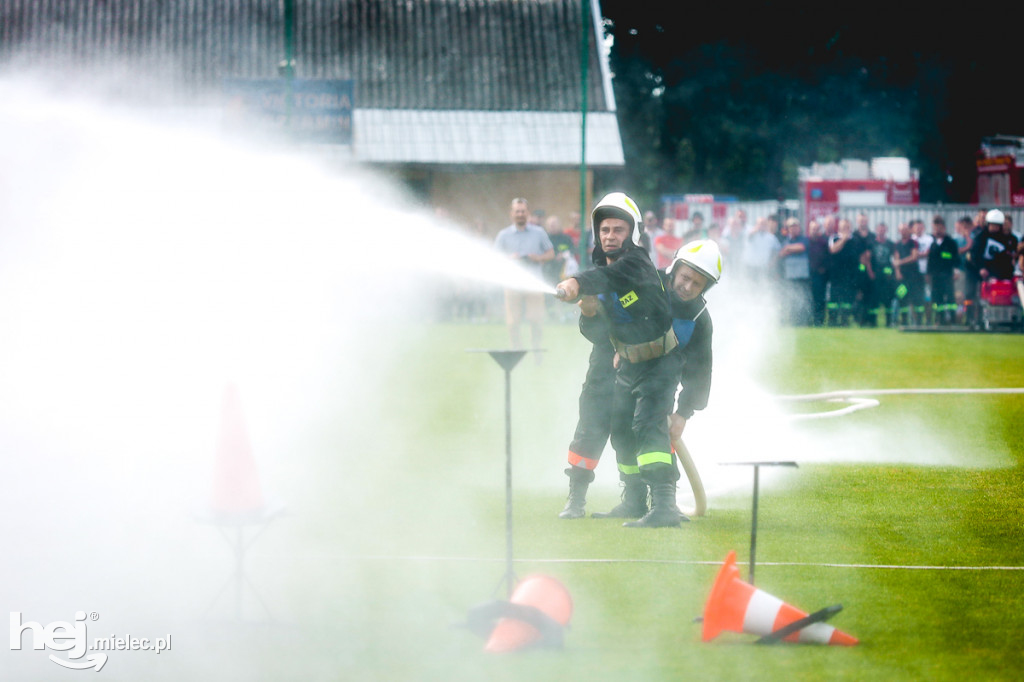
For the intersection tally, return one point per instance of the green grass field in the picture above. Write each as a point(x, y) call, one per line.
point(391, 565)
point(396, 522)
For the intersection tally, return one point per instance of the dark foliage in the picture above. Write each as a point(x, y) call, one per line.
point(732, 98)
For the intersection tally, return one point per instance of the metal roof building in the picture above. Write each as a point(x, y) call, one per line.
point(491, 83)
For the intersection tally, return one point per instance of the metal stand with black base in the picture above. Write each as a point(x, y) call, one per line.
point(753, 515)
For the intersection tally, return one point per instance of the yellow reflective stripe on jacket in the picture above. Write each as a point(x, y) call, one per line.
point(654, 458)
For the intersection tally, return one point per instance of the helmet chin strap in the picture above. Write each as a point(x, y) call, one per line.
point(626, 246)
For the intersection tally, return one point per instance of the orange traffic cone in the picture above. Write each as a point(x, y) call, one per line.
point(540, 592)
point(740, 607)
point(236, 486)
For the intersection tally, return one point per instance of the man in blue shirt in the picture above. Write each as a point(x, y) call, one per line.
point(795, 270)
point(530, 245)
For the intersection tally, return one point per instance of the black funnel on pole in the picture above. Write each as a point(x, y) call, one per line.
point(507, 360)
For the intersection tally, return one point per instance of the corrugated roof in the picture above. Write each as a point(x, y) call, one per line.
point(480, 55)
point(484, 137)
point(459, 67)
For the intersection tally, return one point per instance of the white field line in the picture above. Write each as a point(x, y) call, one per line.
point(679, 562)
point(861, 403)
point(842, 395)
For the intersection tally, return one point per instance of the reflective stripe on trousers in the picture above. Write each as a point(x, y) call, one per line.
point(582, 462)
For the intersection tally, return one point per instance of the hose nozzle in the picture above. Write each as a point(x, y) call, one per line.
point(561, 294)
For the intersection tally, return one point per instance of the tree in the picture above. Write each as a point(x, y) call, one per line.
point(733, 100)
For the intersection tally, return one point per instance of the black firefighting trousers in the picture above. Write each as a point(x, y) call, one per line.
point(644, 397)
point(594, 422)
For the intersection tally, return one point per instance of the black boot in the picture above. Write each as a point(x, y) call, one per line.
point(634, 500)
point(664, 513)
point(574, 506)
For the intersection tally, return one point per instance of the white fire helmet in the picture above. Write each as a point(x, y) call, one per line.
point(616, 205)
point(703, 256)
point(995, 216)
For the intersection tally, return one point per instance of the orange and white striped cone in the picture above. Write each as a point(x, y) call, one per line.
point(236, 487)
point(540, 592)
point(738, 606)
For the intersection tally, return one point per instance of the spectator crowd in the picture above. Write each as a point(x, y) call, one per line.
point(840, 273)
point(834, 271)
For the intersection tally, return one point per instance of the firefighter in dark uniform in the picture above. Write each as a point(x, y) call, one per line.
point(595, 410)
point(695, 269)
point(636, 309)
point(991, 251)
point(864, 309)
point(943, 258)
point(909, 280)
point(883, 284)
point(845, 253)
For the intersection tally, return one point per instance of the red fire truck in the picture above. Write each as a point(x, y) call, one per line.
point(1000, 162)
point(825, 188)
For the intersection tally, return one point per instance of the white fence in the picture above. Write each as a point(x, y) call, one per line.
point(892, 216)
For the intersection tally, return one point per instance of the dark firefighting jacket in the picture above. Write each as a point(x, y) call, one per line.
point(634, 300)
point(692, 324)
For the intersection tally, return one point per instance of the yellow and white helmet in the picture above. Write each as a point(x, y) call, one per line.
point(704, 256)
point(615, 205)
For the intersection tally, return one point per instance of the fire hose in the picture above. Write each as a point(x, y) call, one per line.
point(693, 476)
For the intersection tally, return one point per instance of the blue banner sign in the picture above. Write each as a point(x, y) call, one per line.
point(312, 110)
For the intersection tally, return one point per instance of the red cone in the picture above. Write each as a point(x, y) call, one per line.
point(541, 592)
point(236, 487)
point(740, 607)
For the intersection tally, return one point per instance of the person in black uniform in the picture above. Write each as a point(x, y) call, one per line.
point(883, 286)
point(845, 253)
point(943, 258)
point(636, 309)
point(909, 280)
point(817, 255)
point(991, 251)
point(696, 268)
point(864, 311)
point(595, 412)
